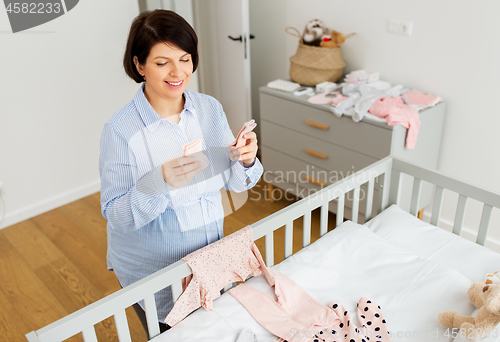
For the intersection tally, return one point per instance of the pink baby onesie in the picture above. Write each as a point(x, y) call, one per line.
point(420, 100)
point(232, 258)
point(396, 112)
point(296, 316)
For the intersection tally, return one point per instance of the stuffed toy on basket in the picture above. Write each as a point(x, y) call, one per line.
point(318, 58)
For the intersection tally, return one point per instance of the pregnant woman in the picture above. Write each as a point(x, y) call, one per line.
point(160, 203)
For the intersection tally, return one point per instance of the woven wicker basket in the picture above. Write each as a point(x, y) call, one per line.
point(313, 64)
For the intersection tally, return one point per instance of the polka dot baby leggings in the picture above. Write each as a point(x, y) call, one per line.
point(374, 327)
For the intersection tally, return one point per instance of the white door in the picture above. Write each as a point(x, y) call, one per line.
point(224, 69)
point(224, 62)
point(234, 60)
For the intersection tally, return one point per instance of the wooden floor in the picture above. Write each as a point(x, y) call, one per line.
point(55, 263)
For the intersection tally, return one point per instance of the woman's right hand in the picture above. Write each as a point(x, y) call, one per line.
point(179, 171)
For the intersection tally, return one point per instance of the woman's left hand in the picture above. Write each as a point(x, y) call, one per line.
point(248, 152)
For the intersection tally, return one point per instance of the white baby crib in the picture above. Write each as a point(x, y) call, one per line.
point(387, 173)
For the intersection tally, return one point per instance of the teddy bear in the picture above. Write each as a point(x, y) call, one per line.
point(334, 40)
point(314, 32)
point(487, 299)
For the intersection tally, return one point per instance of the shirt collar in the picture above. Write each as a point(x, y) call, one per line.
point(148, 115)
point(188, 104)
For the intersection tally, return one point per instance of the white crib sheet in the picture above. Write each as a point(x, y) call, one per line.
point(433, 243)
point(346, 264)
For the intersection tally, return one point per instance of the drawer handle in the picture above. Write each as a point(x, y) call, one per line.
point(316, 153)
point(314, 180)
point(317, 124)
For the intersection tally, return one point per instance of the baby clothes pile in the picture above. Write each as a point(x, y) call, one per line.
point(364, 94)
point(293, 315)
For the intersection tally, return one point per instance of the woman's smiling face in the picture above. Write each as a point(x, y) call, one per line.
point(168, 70)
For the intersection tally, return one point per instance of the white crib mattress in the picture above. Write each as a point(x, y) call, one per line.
point(346, 264)
point(436, 244)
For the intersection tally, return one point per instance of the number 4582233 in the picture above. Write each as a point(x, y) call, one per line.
point(33, 8)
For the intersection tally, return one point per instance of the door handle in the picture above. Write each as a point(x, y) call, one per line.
point(240, 38)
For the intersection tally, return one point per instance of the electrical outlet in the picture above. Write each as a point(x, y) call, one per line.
point(405, 28)
point(393, 26)
point(400, 27)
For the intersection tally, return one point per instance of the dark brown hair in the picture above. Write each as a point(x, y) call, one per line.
point(158, 26)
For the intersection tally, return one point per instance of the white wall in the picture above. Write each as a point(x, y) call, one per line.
point(453, 52)
point(60, 82)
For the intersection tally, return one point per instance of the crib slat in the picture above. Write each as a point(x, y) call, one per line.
point(438, 203)
point(288, 239)
point(269, 249)
point(460, 214)
point(89, 334)
point(415, 196)
point(355, 205)
point(369, 200)
point(484, 224)
point(385, 187)
point(176, 290)
point(323, 228)
point(306, 229)
point(151, 316)
point(340, 210)
point(122, 328)
point(395, 181)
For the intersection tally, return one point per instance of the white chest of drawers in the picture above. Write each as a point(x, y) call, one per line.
point(305, 146)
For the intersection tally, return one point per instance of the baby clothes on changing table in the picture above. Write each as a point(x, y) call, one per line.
point(420, 100)
point(396, 112)
point(333, 97)
point(232, 258)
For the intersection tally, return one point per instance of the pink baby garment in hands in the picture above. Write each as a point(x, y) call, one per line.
point(192, 147)
point(230, 259)
point(247, 127)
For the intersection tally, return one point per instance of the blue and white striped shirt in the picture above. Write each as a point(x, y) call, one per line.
point(151, 224)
